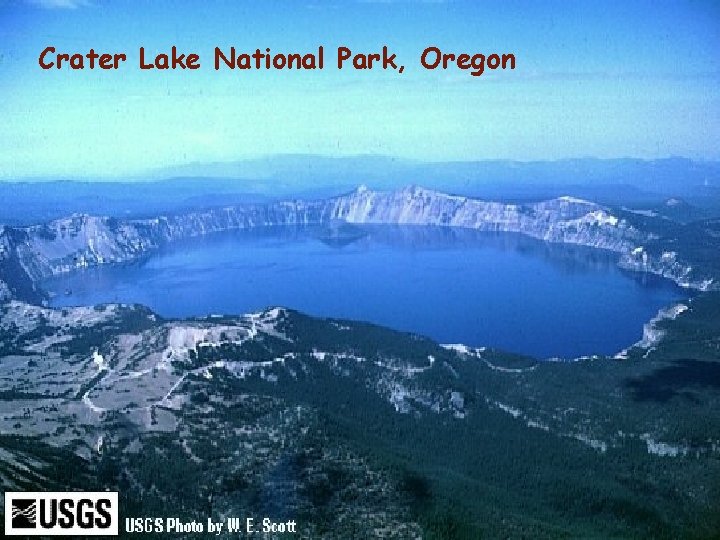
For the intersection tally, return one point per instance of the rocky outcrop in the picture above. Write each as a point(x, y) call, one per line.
point(564, 220)
point(669, 265)
point(15, 281)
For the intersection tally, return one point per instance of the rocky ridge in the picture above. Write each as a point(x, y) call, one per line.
point(32, 253)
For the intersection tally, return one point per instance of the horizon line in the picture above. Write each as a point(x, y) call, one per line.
point(174, 172)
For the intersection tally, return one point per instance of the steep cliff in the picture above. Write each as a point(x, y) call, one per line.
point(15, 281)
point(564, 220)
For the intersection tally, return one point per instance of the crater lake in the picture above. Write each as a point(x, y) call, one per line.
point(501, 290)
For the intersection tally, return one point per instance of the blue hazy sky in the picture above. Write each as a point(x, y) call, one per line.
point(602, 79)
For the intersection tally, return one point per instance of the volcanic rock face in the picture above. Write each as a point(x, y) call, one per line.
point(32, 253)
point(15, 280)
point(5, 293)
point(564, 220)
point(81, 240)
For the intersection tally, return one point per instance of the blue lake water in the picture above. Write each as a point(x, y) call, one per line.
point(456, 286)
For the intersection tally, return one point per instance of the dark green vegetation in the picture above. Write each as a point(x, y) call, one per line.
point(352, 429)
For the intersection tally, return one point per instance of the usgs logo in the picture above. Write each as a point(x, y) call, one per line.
point(61, 513)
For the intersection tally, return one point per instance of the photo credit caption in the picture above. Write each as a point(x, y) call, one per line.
point(230, 525)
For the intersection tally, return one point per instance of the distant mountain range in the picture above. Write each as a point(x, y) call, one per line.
point(307, 172)
point(634, 182)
